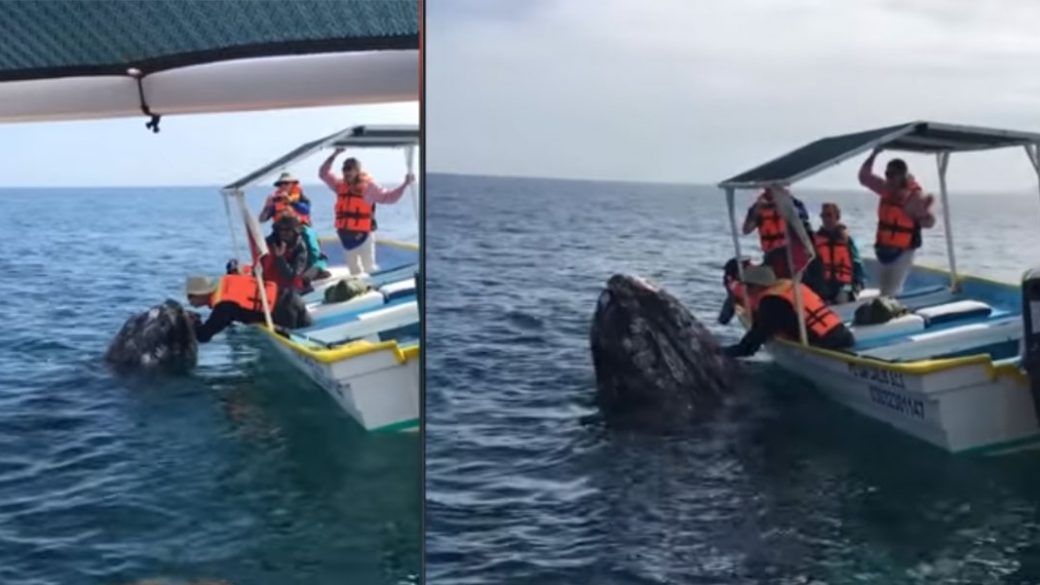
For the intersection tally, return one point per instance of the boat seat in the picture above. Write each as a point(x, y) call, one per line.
point(397, 290)
point(955, 311)
point(366, 325)
point(905, 325)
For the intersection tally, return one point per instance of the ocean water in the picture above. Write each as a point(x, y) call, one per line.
point(524, 485)
point(242, 471)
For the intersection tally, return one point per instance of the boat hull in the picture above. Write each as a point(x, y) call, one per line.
point(376, 383)
point(972, 406)
point(378, 389)
point(933, 386)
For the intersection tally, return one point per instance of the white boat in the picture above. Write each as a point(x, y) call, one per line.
point(334, 53)
point(959, 371)
point(363, 352)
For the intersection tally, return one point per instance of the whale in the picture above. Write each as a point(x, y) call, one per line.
point(161, 338)
point(655, 363)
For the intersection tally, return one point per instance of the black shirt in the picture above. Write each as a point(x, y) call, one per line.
point(223, 314)
point(776, 317)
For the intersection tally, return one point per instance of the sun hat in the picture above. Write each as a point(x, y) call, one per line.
point(285, 178)
point(759, 275)
point(199, 285)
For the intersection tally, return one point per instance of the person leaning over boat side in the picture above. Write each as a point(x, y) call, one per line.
point(356, 197)
point(236, 298)
point(903, 210)
point(843, 273)
point(774, 315)
point(287, 261)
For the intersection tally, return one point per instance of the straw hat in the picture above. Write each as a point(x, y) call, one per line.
point(759, 275)
point(199, 285)
point(285, 178)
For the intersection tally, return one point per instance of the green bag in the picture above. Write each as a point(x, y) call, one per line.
point(879, 310)
point(345, 290)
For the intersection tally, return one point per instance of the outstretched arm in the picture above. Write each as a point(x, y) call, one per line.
point(750, 220)
point(377, 194)
point(867, 178)
point(325, 171)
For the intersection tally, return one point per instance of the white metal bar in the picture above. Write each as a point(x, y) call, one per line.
point(261, 244)
point(236, 251)
point(787, 210)
point(409, 161)
point(731, 206)
point(1033, 151)
point(943, 161)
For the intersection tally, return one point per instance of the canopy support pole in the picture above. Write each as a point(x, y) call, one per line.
point(731, 206)
point(253, 232)
point(784, 203)
point(409, 161)
point(236, 251)
point(943, 161)
point(1033, 151)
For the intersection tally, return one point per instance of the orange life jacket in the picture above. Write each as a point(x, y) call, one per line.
point(896, 229)
point(244, 292)
point(770, 224)
point(819, 318)
point(353, 213)
point(283, 203)
point(835, 256)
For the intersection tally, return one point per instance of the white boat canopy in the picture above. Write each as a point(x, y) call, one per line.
point(919, 137)
point(67, 59)
point(370, 136)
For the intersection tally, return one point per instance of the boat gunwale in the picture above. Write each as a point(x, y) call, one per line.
point(918, 367)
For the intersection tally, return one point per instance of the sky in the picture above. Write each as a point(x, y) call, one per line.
point(199, 149)
point(698, 91)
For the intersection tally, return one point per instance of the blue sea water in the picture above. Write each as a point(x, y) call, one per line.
point(242, 471)
point(525, 486)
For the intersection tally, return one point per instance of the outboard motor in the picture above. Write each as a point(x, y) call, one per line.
point(1031, 331)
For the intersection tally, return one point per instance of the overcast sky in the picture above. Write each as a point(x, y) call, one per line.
point(697, 91)
point(208, 149)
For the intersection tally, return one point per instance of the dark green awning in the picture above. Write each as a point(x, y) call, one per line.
point(369, 136)
point(920, 137)
point(60, 38)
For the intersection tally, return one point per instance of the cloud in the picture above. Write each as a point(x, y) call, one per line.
point(697, 91)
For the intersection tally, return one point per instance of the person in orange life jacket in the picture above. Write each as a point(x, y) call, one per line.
point(356, 197)
point(843, 273)
point(289, 199)
point(775, 315)
point(903, 210)
point(287, 195)
point(764, 216)
point(236, 298)
point(287, 260)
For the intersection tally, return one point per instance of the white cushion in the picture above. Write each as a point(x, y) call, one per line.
point(905, 325)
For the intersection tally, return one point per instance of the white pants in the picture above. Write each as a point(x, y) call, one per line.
point(363, 258)
point(892, 276)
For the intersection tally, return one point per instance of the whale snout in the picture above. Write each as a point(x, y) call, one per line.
point(653, 359)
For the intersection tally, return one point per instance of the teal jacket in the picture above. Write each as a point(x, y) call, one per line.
point(314, 249)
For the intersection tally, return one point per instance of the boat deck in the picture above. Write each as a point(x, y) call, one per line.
point(984, 317)
point(388, 313)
